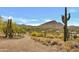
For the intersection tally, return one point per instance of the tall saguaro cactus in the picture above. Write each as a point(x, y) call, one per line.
point(65, 19)
point(9, 30)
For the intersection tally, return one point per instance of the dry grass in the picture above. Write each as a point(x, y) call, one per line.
point(58, 45)
point(38, 44)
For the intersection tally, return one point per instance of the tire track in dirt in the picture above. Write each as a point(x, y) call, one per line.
point(24, 44)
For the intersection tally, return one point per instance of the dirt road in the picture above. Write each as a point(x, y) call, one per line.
point(24, 44)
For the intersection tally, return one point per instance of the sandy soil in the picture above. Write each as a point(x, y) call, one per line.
point(24, 44)
point(27, 44)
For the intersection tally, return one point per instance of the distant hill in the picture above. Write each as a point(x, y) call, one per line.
point(75, 28)
point(52, 24)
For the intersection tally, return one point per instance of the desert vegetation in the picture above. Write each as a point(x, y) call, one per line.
point(65, 38)
point(51, 36)
point(10, 29)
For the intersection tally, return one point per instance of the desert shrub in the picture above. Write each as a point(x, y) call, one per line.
point(61, 37)
point(57, 42)
point(72, 45)
point(75, 50)
point(53, 36)
point(40, 35)
point(47, 42)
point(50, 35)
point(42, 40)
point(37, 34)
point(34, 33)
point(56, 36)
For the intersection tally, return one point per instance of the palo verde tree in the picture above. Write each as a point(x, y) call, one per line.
point(65, 19)
point(1, 24)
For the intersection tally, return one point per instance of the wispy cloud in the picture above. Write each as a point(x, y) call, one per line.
point(31, 21)
point(36, 22)
point(47, 20)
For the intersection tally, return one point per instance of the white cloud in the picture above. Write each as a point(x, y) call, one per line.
point(33, 19)
point(22, 20)
point(37, 24)
point(5, 17)
point(10, 17)
point(33, 22)
point(73, 24)
point(47, 20)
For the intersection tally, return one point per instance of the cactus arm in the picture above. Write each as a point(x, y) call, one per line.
point(63, 20)
point(68, 17)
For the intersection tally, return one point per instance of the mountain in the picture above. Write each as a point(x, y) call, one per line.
point(52, 24)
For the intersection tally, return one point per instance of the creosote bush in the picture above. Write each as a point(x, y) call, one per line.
point(37, 34)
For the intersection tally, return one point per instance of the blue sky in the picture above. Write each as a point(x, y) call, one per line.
point(38, 15)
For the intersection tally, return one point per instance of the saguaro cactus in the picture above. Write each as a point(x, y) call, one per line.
point(9, 30)
point(65, 19)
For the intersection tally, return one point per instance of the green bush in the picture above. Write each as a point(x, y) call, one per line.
point(37, 34)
